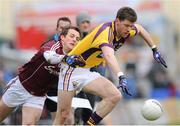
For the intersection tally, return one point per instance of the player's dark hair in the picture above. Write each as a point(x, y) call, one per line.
point(63, 19)
point(65, 30)
point(126, 13)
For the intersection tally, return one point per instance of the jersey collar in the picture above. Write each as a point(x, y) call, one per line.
point(114, 32)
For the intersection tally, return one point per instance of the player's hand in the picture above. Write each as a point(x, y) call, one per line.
point(157, 56)
point(123, 85)
point(74, 61)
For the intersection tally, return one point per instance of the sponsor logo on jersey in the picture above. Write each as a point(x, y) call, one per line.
point(52, 70)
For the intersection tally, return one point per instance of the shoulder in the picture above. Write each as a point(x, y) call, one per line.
point(103, 26)
point(49, 43)
point(52, 44)
point(103, 29)
point(135, 30)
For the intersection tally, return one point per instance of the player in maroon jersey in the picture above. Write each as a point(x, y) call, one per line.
point(51, 106)
point(36, 77)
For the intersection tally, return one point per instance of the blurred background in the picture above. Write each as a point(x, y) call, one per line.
point(25, 24)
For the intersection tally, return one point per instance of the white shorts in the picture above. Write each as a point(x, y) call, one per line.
point(74, 79)
point(17, 95)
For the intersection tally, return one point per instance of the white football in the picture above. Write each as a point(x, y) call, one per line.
point(152, 109)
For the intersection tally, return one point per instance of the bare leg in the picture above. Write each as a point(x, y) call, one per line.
point(30, 115)
point(63, 107)
point(70, 119)
point(107, 91)
point(4, 110)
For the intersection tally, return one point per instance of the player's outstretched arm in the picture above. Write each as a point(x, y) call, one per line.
point(146, 36)
point(111, 60)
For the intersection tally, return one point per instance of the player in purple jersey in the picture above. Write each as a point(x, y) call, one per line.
point(35, 78)
point(96, 47)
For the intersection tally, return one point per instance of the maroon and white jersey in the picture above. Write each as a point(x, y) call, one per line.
point(37, 76)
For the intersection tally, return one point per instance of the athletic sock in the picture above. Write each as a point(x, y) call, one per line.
point(94, 119)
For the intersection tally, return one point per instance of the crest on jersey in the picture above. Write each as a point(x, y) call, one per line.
point(75, 84)
point(52, 70)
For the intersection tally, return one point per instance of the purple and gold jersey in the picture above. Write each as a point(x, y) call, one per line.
point(37, 76)
point(103, 35)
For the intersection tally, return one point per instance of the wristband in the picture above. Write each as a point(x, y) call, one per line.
point(154, 46)
point(120, 74)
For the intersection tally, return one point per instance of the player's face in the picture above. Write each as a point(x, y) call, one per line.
point(70, 40)
point(123, 27)
point(85, 26)
point(62, 25)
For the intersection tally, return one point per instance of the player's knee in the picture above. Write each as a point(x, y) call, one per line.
point(65, 113)
point(115, 98)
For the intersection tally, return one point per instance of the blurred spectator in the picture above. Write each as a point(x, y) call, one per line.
point(2, 83)
point(162, 85)
point(83, 21)
point(130, 69)
point(62, 22)
point(5, 76)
